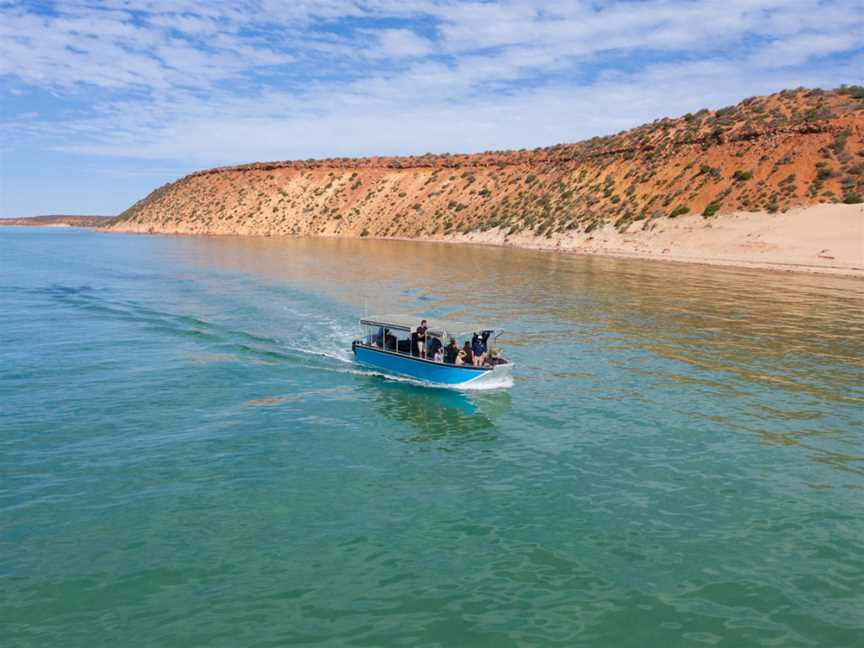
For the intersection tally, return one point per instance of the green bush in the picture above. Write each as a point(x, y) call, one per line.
point(711, 209)
point(853, 199)
point(679, 211)
point(839, 144)
point(365, 232)
point(854, 91)
point(742, 176)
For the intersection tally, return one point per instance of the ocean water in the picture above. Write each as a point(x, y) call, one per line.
point(189, 457)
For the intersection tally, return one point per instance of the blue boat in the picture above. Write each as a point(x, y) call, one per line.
point(393, 345)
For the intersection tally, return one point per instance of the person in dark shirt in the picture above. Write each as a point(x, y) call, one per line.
point(479, 349)
point(451, 351)
point(466, 355)
point(433, 346)
point(389, 340)
point(420, 332)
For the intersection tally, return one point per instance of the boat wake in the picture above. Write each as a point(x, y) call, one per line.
point(505, 382)
point(325, 346)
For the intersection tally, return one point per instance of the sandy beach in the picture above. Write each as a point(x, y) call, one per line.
point(825, 239)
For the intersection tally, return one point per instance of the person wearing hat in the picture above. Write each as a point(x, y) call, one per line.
point(478, 348)
point(494, 357)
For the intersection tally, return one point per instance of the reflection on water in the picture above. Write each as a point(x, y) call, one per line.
point(778, 356)
point(440, 415)
point(682, 452)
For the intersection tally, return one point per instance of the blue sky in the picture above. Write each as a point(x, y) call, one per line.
point(102, 101)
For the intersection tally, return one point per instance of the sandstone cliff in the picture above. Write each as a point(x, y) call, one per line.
point(793, 149)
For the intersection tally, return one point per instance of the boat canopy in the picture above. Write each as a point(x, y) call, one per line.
point(436, 327)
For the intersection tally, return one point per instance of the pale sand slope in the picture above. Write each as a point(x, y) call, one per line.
point(821, 238)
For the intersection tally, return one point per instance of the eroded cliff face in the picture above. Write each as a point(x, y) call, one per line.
point(792, 149)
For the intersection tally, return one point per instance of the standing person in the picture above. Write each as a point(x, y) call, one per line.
point(421, 338)
point(479, 349)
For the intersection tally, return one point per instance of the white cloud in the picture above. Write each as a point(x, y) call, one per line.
point(402, 43)
point(258, 79)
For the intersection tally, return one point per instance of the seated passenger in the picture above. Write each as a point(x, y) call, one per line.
point(494, 357)
point(466, 355)
point(389, 340)
point(439, 354)
point(434, 345)
point(451, 352)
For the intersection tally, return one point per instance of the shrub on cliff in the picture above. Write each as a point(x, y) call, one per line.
point(855, 91)
point(711, 209)
point(742, 176)
point(679, 211)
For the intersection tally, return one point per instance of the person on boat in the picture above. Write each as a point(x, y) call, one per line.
point(494, 357)
point(421, 338)
point(389, 340)
point(438, 354)
point(451, 352)
point(478, 347)
point(434, 346)
point(466, 355)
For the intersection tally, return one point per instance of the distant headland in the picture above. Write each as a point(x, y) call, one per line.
point(57, 220)
point(774, 181)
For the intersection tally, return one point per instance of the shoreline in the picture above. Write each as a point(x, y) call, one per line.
point(826, 239)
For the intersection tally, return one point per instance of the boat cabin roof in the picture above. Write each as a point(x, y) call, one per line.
point(436, 327)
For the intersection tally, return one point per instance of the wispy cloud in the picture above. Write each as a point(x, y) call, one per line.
point(209, 83)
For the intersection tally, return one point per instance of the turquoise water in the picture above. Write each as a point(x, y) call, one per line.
point(188, 456)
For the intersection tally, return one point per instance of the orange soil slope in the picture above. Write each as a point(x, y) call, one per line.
point(793, 149)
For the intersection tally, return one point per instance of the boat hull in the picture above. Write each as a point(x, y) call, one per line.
point(436, 373)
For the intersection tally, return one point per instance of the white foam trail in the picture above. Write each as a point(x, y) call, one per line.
point(504, 383)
